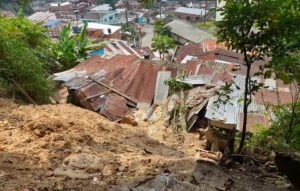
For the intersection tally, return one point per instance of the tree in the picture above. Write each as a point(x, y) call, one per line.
point(69, 48)
point(161, 28)
point(161, 44)
point(244, 28)
point(23, 57)
point(148, 4)
point(259, 29)
point(285, 53)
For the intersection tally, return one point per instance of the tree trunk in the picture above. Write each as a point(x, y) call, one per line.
point(246, 104)
point(23, 92)
point(181, 112)
point(292, 121)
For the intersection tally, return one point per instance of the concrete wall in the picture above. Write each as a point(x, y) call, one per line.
point(189, 17)
point(110, 18)
point(98, 33)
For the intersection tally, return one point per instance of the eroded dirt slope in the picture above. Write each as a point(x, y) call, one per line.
point(65, 147)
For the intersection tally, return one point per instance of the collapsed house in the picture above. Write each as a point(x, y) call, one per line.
point(112, 86)
point(209, 74)
point(113, 83)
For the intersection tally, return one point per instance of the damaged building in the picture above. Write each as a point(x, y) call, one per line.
point(112, 86)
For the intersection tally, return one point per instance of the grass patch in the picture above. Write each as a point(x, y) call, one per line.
point(208, 26)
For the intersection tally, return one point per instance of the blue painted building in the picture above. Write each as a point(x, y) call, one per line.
point(102, 14)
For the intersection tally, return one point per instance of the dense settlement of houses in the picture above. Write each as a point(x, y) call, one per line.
point(120, 78)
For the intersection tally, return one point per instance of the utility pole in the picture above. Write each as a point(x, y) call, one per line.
point(126, 14)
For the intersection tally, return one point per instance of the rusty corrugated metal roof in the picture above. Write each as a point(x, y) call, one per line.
point(107, 85)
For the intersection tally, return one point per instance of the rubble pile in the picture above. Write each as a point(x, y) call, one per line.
point(65, 147)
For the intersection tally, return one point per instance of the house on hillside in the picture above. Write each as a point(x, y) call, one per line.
point(103, 14)
point(131, 5)
point(103, 31)
point(63, 10)
point(190, 14)
point(120, 47)
point(113, 87)
point(188, 51)
point(42, 17)
point(39, 5)
point(185, 32)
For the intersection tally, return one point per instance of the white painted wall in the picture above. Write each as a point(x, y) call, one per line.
point(219, 5)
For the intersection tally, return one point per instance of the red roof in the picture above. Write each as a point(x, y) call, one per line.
point(222, 76)
point(199, 49)
point(190, 49)
point(212, 44)
point(266, 96)
point(114, 82)
point(204, 70)
point(90, 64)
point(253, 120)
point(146, 49)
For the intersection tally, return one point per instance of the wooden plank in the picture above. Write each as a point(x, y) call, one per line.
point(23, 92)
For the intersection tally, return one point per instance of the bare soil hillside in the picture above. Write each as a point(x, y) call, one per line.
point(63, 147)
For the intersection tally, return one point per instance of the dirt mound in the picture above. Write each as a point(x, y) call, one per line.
point(61, 147)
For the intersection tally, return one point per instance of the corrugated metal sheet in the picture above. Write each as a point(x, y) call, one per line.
point(197, 98)
point(196, 80)
point(206, 67)
point(114, 108)
point(161, 89)
point(120, 47)
point(230, 113)
point(106, 86)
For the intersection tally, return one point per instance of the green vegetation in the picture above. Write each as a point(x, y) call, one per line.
point(176, 86)
point(208, 26)
point(23, 57)
point(261, 28)
point(148, 4)
point(131, 33)
point(161, 29)
point(70, 48)
point(162, 40)
point(266, 138)
point(27, 57)
point(15, 6)
point(162, 44)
